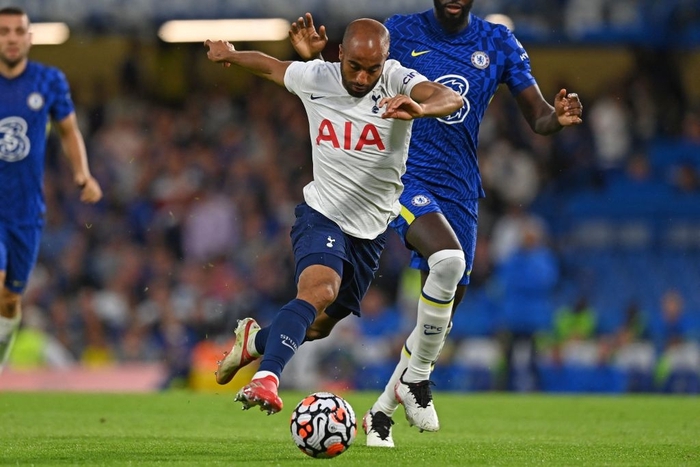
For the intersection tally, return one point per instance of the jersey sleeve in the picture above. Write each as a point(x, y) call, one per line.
point(300, 76)
point(401, 79)
point(518, 74)
point(294, 76)
point(61, 102)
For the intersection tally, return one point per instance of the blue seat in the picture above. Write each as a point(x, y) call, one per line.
point(682, 382)
point(664, 153)
point(639, 381)
point(373, 377)
point(463, 378)
point(475, 316)
point(582, 379)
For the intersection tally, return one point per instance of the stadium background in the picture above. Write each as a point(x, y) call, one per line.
point(202, 166)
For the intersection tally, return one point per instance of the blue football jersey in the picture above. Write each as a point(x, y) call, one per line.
point(27, 103)
point(474, 62)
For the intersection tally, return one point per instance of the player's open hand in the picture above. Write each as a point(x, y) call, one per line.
point(308, 42)
point(401, 107)
point(219, 51)
point(568, 108)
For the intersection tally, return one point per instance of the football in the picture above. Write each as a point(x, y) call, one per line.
point(323, 425)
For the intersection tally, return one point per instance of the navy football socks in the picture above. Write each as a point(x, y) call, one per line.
point(261, 339)
point(284, 335)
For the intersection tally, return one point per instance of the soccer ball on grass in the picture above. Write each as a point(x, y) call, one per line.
point(323, 425)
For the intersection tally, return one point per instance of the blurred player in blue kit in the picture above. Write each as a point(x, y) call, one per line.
point(360, 113)
point(438, 220)
point(31, 94)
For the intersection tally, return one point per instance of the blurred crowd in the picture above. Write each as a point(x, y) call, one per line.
point(193, 233)
point(648, 22)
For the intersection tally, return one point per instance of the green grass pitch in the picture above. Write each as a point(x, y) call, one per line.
point(183, 428)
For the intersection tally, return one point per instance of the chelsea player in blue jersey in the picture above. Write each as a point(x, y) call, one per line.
point(438, 221)
point(30, 95)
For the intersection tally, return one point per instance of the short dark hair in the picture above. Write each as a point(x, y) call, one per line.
point(12, 10)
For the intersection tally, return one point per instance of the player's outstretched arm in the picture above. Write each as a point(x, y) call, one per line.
point(255, 62)
point(545, 119)
point(307, 42)
point(428, 99)
point(74, 148)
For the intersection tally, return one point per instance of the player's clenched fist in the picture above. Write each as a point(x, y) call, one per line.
point(219, 51)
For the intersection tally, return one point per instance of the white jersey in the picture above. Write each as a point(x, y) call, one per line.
point(358, 157)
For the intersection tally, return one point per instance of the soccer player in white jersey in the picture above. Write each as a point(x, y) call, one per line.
point(31, 96)
point(442, 182)
point(360, 114)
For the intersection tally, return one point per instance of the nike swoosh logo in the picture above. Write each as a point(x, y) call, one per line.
point(431, 333)
point(417, 54)
point(289, 345)
point(313, 98)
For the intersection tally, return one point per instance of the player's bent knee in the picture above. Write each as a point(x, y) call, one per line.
point(447, 267)
point(320, 296)
point(327, 295)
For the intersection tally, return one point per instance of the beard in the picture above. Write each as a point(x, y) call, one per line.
point(11, 62)
point(449, 21)
point(349, 86)
point(357, 93)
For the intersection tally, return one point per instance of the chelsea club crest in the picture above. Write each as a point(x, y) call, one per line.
point(420, 200)
point(35, 101)
point(480, 60)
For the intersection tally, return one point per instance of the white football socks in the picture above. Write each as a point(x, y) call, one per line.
point(428, 337)
point(8, 326)
point(387, 402)
point(434, 312)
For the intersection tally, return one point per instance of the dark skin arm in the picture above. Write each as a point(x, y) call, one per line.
point(427, 99)
point(545, 119)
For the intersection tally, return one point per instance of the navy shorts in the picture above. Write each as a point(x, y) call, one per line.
point(19, 249)
point(417, 200)
point(318, 240)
